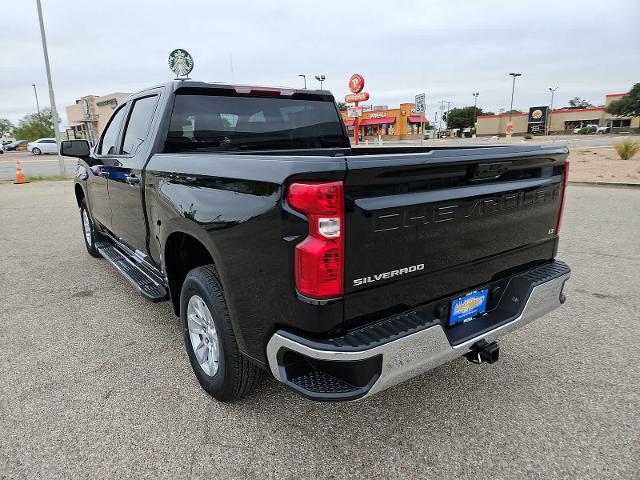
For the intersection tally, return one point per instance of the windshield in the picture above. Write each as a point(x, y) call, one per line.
point(220, 123)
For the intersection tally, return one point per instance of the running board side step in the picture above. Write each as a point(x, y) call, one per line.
point(149, 288)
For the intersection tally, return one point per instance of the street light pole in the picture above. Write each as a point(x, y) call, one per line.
point(513, 89)
point(36, 94)
point(475, 108)
point(52, 98)
point(320, 78)
point(553, 91)
point(303, 76)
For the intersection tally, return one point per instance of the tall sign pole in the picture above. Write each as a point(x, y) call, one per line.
point(52, 98)
point(421, 108)
point(356, 84)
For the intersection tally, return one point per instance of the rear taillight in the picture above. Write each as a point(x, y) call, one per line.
point(319, 258)
point(565, 181)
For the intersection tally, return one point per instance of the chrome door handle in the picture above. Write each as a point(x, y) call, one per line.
point(132, 179)
point(102, 173)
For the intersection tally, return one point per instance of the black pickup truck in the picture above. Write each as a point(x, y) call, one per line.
point(341, 270)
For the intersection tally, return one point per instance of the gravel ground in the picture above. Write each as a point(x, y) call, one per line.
point(95, 382)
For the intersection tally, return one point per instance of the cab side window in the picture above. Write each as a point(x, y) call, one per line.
point(138, 124)
point(110, 136)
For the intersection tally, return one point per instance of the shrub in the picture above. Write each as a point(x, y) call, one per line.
point(528, 136)
point(586, 130)
point(627, 149)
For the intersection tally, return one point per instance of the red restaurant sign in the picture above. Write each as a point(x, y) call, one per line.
point(356, 97)
point(356, 83)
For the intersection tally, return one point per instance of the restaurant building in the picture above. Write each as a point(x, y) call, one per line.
point(90, 114)
point(561, 121)
point(398, 123)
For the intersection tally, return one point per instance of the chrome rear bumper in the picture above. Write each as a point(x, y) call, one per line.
point(399, 359)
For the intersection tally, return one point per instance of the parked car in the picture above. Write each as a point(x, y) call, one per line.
point(43, 145)
point(13, 146)
point(1, 148)
point(593, 128)
point(341, 271)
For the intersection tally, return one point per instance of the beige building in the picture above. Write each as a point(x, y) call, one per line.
point(561, 120)
point(90, 114)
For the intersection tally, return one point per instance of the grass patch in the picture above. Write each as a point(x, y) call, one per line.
point(41, 178)
point(627, 149)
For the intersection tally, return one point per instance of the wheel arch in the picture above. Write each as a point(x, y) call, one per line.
point(79, 191)
point(182, 253)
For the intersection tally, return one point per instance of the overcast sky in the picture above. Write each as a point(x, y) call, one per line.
point(447, 49)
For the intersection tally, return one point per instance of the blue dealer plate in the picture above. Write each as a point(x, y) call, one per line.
point(466, 307)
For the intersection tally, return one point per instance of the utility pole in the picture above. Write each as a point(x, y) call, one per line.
point(475, 108)
point(52, 98)
point(553, 91)
point(36, 94)
point(513, 89)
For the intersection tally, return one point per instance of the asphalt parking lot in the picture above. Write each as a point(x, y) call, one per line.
point(96, 381)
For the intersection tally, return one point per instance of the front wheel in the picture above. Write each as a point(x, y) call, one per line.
point(36, 151)
point(88, 229)
point(209, 338)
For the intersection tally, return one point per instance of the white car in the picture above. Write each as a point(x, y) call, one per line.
point(43, 145)
point(593, 129)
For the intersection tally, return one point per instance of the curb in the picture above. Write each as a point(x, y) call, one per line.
point(605, 184)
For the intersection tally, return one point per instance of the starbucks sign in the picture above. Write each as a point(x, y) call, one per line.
point(180, 62)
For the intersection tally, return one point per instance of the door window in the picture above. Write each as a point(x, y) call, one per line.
point(138, 125)
point(110, 136)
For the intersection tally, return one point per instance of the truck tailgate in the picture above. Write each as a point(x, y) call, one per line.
point(421, 226)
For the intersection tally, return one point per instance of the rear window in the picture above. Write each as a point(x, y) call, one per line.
point(219, 123)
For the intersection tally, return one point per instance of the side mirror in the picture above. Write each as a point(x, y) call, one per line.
point(75, 148)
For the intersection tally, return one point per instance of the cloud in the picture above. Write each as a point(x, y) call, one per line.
point(448, 50)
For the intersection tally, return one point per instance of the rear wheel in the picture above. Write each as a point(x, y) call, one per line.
point(36, 151)
point(88, 229)
point(209, 339)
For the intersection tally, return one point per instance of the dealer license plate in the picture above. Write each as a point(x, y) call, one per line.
point(468, 306)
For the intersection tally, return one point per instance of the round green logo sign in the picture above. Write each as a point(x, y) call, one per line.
point(180, 62)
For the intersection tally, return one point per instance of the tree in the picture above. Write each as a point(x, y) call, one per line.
point(577, 102)
point(627, 106)
point(515, 110)
point(35, 125)
point(462, 117)
point(341, 106)
point(6, 127)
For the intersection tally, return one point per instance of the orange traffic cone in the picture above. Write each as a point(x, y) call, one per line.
point(20, 178)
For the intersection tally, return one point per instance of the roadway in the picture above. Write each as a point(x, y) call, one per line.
point(33, 165)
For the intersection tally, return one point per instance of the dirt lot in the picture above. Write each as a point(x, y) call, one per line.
point(602, 164)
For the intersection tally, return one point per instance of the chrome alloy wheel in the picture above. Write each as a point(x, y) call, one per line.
point(86, 226)
point(203, 335)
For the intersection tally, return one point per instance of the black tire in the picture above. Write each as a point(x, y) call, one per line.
point(235, 377)
point(92, 235)
point(36, 151)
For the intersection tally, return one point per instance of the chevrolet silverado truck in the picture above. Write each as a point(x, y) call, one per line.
point(341, 271)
